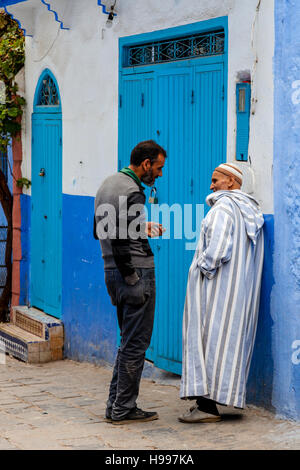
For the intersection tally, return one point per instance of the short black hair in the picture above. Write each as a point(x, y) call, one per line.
point(146, 149)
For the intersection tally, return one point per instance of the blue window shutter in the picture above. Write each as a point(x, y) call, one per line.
point(243, 96)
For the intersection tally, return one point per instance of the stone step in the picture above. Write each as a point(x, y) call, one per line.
point(36, 322)
point(32, 336)
point(26, 346)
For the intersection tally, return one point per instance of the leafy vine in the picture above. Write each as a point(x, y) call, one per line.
point(12, 58)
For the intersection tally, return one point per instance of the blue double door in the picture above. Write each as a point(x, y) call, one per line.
point(181, 106)
point(46, 213)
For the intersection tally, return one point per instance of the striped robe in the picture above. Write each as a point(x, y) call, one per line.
point(222, 300)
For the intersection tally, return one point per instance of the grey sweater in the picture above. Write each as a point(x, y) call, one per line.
point(119, 249)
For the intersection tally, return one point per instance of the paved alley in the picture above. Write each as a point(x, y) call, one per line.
point(60, 405)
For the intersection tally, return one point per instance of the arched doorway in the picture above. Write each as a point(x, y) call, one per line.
point(46, 207)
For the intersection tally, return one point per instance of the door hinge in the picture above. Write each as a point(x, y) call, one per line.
point(60, 141)
point(193, 97)
point(120, 101)
point(223, 92)
point(142, 100)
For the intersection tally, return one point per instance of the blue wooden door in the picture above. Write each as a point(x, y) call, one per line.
point(208, 127)
point(136, 121)
point(184, 112)
point(46, 214)
point(174, 126)
point(135, 113)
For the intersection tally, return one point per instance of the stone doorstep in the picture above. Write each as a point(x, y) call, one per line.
point(37, 323)
point(28, 347)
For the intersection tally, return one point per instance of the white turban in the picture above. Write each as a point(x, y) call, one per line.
point(230, 169)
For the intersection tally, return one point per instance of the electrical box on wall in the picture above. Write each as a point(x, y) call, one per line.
point(243, 99)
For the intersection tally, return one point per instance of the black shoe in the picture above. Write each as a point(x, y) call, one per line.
point(135, 416)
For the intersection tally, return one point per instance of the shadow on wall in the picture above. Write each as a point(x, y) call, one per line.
point(260, 382)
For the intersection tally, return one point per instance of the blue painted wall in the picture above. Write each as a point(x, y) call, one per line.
point(25, 246)
point(3, 220)
point(285, 306)
point(89, 318)
point(260, 382)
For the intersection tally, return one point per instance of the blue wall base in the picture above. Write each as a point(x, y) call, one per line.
point(285, 300)
point(260, 382)
point(89, 318)
point(25, 246)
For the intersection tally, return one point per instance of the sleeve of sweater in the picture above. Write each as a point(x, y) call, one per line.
point(129, 224)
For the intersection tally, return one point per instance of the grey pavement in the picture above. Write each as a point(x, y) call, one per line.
point(60, 405)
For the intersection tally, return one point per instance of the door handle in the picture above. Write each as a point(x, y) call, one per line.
point(42, 172)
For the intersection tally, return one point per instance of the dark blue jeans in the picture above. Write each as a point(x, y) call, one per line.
point(135, 310)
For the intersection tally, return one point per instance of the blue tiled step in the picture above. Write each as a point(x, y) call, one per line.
point(32, 336)
point(36, 322)
point(23, 345)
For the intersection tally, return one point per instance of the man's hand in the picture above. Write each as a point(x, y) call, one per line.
point(132, 279)
point(153, 229)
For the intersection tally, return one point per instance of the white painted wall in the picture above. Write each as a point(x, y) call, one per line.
point(85, 63)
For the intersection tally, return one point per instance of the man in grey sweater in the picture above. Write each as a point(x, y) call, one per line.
point(129, 273)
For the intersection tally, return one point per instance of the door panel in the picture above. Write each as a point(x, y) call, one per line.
point(208, 123)
point(174, 104)
point(38, 229)
point(135, 113)
point(136, 122)
point(183, 112)
point(46, 274)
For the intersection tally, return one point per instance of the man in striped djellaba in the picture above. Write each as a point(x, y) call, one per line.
point(222, 299)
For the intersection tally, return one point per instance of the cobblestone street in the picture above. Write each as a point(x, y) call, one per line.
point(60, 405)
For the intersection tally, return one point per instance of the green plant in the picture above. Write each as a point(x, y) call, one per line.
point(12, 57)
point(23, 182)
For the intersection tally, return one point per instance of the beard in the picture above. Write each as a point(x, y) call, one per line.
point(147, 178)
